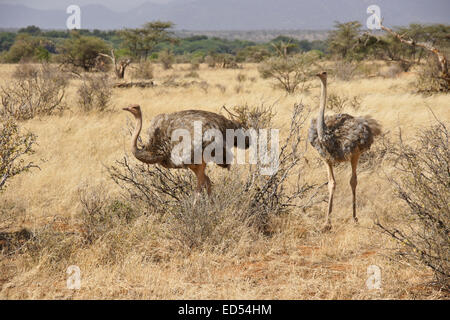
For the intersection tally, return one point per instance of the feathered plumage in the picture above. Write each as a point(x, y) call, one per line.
point(158, 149)
point(161, 128)
point(340, 137)
point(343, 136)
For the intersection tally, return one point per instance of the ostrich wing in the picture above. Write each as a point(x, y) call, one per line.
point(343, 136)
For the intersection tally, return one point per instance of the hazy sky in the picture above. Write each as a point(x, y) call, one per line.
point(116, 5)
point(222, 14)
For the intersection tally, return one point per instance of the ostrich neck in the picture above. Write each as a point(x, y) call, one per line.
point(137, 130)
point(321, 117)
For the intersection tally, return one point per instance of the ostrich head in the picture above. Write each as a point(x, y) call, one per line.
point(134, 109)
point(322, 76)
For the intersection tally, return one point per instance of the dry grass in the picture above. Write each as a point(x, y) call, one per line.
point(140, 258)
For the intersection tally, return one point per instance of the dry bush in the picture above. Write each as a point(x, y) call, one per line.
point(210, 61)
point(14, 146)
point(368, 69)
point(245, 199)
point(253, 117)
point(170, 81)
point(195, 64)
point(204, 85)
point(337, 103)
point(34, 92)
point(422, 183)
point(290, 72)
point(345, 70)
point(167, 59)
point(103, 223)
point(151, 188)
point(95, 92)
point(239, 89)
point(373, 158)
point(226, 61)
point(52, 248)
point(429, 80)
point(391, 72)
point(100, 214)
point(221, 87)
point(192, 74)
point(13, 242)
point(144, 70)
point(25, 70)
point(241, 77)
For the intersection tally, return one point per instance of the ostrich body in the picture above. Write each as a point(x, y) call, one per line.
point(339, 138)
point(159, 148)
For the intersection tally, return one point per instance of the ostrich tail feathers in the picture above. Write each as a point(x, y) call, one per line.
point(374, 125)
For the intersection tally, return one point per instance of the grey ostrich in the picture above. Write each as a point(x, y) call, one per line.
point(339, 138)
point(159, 148)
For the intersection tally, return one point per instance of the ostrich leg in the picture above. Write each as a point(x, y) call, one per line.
point(331, 188)
point(202, 179)
point(354, 182)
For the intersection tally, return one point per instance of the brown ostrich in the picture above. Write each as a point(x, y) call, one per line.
point(159, 148)
point(339, 138)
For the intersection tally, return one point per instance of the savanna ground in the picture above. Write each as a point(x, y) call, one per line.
point(295, 260)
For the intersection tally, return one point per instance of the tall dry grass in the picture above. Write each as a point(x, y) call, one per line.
point(78, 216)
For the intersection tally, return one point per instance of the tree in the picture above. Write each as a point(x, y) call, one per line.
point(31, 30)
point(285, 45)
point(119, 65)
point(6, 40)
point(442, 59)
point(83, 51)
point(29, 47)
point(142, 41)
point(290, 71)
point(343, 41)
point(255, 53)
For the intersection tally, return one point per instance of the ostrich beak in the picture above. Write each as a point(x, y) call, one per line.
point(126, 109)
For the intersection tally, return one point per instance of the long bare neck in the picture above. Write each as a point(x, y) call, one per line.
point(134, 138)
point(321, 117)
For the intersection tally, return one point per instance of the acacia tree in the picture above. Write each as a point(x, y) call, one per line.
point(289, 71)
point(444, 75)
point(82, 51)
point(141, 41)
point(343, 41)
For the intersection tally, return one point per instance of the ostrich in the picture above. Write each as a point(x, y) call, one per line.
point(339, 138)
point(159, 148)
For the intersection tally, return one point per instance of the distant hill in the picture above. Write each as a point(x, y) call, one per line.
point(235, 14)
point(256, 35)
